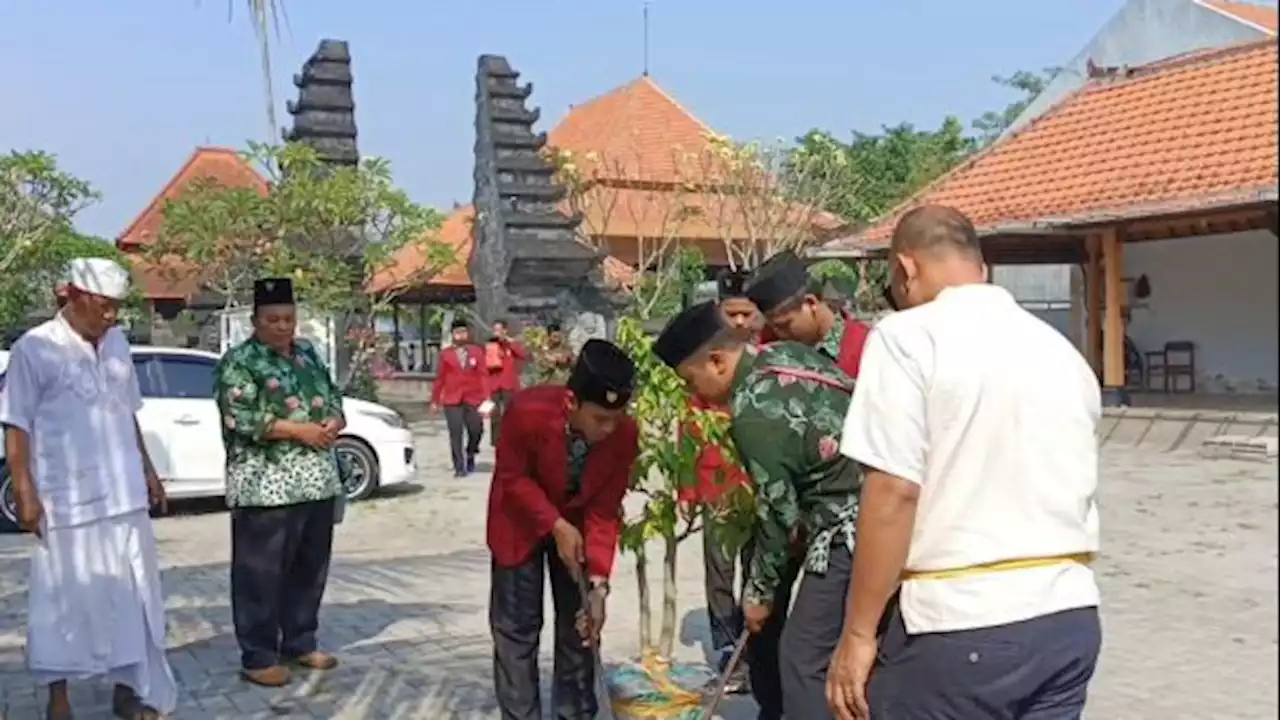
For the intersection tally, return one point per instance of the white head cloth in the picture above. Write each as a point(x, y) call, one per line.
point(98, 276)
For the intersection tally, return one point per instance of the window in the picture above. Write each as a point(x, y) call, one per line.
point(147, 368)
point(185, 377)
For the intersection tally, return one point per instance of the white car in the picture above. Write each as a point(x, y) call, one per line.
point(182, 429)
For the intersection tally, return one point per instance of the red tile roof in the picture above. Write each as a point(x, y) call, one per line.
point(1263, 17)
point(410, 260)
point(638, 129)
point(178, 281)
point(1190, 132)
point(224, 165)
point(653, 147)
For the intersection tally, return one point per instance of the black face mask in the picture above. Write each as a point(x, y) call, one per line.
point(887, 294)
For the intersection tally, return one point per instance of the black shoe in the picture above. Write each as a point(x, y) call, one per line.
point(459, 473)
point(471, 463)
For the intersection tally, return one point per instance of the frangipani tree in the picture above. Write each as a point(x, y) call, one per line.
point(672, 435)
point(333, 230)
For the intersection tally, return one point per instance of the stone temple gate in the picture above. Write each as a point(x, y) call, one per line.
point(527, 263)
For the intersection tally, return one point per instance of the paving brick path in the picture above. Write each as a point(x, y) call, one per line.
point(1189, 580)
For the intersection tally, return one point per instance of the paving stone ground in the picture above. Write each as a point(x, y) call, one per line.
point(1189, 578)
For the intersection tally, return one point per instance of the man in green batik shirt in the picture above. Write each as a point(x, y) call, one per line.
point(787, 405)
point(281, 413)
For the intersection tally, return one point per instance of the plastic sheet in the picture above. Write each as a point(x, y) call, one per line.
point(656, 689)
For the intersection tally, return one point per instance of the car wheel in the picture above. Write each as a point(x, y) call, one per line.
point(8, 503)
point(359, 467)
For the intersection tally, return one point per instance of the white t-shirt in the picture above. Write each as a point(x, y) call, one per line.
point(994, 414)
point(77, 403)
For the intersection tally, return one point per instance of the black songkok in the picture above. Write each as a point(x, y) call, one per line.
point(687, 333)
point(460, 324)
point(781, 278)
point(603, 375)
point(272, 291)
point(730, 284)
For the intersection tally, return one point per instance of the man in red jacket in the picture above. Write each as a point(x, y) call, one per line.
point(563, 465)
point(504, 359)
point(794, 310)
point(461, 385)
point(716, 476)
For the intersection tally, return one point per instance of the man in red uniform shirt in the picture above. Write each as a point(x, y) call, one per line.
point(504, 358)
point(716, 476)
point(461, 385)
point(794, 310)
point(564, 461)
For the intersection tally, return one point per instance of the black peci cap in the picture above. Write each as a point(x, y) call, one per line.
point(687, 333)
point(730, 283)
point(603, 375)
point(779, 279)
point(460, 324)
point(273, 291)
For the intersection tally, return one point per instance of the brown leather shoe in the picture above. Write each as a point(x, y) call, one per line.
point(272, 677)
point(316, 660)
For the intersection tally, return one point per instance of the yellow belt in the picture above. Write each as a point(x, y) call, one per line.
point(999, 566)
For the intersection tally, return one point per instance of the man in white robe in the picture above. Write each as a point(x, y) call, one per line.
point(83, 483)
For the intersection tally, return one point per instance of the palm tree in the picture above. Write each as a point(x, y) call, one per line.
point(265, 16)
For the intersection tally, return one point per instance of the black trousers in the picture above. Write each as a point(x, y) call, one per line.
point(462, 419)
point(811, 636)
point(515, 619)
point(500, 400)
point(279, 566)
point(1037, 669)
point(720, 576)
point(764, 647)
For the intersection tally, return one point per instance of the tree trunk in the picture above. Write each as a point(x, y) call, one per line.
point(646, 615)
point(667, 638)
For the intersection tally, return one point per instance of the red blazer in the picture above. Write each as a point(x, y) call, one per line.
point(716, 475)
point(459, 383)
point(513, 357)
point(855, 338)
point(527, 495)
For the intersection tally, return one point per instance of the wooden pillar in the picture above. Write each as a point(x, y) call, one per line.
point(1113, 332)
point(1093, 304)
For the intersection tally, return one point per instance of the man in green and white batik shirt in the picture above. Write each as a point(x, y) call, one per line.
point(787, 404)
point(281, 413)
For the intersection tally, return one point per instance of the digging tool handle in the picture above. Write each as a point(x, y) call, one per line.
point(722, 684)
point(602, 689)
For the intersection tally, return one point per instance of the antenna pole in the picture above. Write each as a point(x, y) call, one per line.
point(646, 38)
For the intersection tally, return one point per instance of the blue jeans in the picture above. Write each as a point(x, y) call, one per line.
point(1037, 669)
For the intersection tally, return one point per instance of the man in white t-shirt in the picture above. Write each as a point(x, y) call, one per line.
point(976, 425)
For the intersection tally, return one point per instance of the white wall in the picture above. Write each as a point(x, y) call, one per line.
point(1220, 292)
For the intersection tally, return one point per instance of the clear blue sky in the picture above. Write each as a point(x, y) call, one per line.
point(123, 91)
